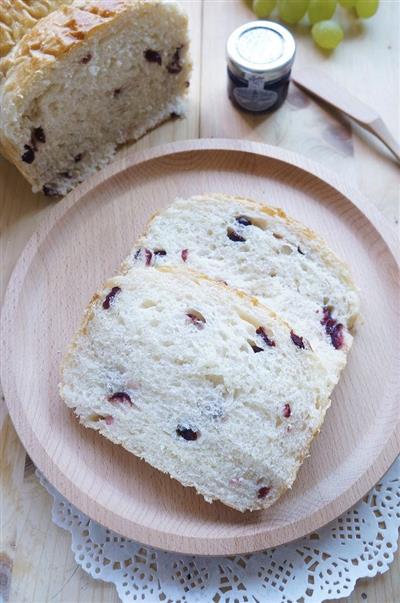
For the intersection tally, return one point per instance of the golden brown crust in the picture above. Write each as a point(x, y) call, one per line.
point(58, 33)
point(17, 17)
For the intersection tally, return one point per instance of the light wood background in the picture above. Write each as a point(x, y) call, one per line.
point(36, 564)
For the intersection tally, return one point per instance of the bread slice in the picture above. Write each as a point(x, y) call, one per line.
point(87, 78)
point(262, 251)
point(200, 380)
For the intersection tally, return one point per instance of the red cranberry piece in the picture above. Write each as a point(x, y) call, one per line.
point(261, 332)
point(263, 492)
point(120, 397)
point(256, 349)
point(50, 191)
point(78, 157)
point(28, 155)
point(234, 236)
point(332, 328)
point(299, 250)
point(326, 315)
point(175, 65)
point(337, 336)
point(84, 60)
point(197, 320)
point(109, 420)
point(287, 411)
point(110, 297)
point(152, 56)
point(184, 254)
point(147, 255)
point(297, 340)
point(187, 434)
point(244, 220)
point(160, 252)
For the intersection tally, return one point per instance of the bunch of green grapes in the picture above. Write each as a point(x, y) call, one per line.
point(325, 32)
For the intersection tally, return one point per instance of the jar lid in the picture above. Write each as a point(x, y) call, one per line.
point(261, 48)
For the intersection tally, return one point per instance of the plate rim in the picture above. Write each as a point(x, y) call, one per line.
point(146, 534)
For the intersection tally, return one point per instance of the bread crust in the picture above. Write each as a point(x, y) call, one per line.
point(17, 17)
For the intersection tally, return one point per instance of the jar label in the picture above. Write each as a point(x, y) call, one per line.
point(255, 99)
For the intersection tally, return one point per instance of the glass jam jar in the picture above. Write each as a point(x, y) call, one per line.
point(260, 56)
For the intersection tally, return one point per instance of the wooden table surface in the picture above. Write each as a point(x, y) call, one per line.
point(36, 563)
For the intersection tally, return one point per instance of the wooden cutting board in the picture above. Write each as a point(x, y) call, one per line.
point(83, 240)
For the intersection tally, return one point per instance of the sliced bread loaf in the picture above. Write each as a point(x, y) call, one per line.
point(262, 251)
point(201, 381)
point(87, 78)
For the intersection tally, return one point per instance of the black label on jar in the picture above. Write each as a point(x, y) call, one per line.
point(255, 94)
point(255, 100)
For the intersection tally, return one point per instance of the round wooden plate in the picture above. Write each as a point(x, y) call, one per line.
point(83, 239)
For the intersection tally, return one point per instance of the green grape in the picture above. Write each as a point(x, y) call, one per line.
point(347, 3)
point(327, 34)
point(263, 8)
point(320, 10)
point(366, 8)
point(291, 11)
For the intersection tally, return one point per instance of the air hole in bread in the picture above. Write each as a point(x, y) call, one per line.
point(278, 421)
point(215, 379)
point(259, 223)
point(148, 303)
point(95, 418)
point(286, 250)
point(248, 318)
point(273, 273)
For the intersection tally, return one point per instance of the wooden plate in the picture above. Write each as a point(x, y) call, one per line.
point(82, 241)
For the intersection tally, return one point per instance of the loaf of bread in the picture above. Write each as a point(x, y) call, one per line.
point(84, 79)
point(201, 381)
point(260, 250)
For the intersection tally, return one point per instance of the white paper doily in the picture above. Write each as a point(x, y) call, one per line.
point(322, 566)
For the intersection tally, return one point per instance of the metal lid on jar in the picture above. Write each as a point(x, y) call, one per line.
point(261, 48)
